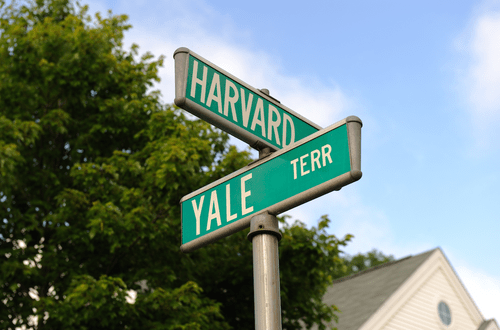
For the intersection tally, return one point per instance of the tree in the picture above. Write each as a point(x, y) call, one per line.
point(360, 261)
point(92, 167)
point(91, 164)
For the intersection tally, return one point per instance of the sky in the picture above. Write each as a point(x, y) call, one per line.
point(424, 77)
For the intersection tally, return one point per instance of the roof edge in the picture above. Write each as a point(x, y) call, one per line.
point(387, 264)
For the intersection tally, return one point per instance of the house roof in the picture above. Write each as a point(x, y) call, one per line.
point(489, 324)
point(360, 295)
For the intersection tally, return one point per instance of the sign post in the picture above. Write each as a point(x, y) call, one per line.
point(309, 163)
point(264, 235)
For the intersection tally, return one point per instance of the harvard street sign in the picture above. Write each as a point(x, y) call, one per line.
point(230, 104)
point(325, 161)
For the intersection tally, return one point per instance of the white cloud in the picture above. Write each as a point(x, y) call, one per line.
point(485, 72)
point(483, 288)
point(481, 76)
point(228, 47)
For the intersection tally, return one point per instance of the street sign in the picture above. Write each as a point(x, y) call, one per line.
point(230, 104)
point(325, 161)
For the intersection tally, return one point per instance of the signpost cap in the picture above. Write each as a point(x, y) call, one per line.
point(181, 50)
point(355, 119)
point(264, 223)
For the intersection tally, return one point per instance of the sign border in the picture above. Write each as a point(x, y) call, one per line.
point(353, 125)
point(181, 58)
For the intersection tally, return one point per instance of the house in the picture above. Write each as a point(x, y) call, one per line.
point(416, 292)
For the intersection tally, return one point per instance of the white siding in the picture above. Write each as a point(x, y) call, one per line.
point(420, 311)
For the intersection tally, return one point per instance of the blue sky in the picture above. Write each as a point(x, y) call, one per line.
point(424, 76)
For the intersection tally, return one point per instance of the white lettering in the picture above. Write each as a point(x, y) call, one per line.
point(245, 194)
point(294, 163)
point(302, 164)
point(229, 216)
point(326, 154)
point(215, 87)
point(259, 110)
point(245, 110)
point(315, 160)
point(197, 213)
point(288, 119)
point(273, 125)
point(213, 211)
point(230, 100)
point(202, 82)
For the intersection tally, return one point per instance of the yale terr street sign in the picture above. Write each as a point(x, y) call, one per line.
point(230, 104)
point(325, 161)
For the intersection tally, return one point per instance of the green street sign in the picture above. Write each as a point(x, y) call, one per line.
point(230, 104)
point(325, 161)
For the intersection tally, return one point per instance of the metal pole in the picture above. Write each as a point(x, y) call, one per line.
point(264, 235)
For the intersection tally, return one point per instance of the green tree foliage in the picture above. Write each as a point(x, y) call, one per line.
point(92, 168)
point(360, 261)
point(309, 260)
